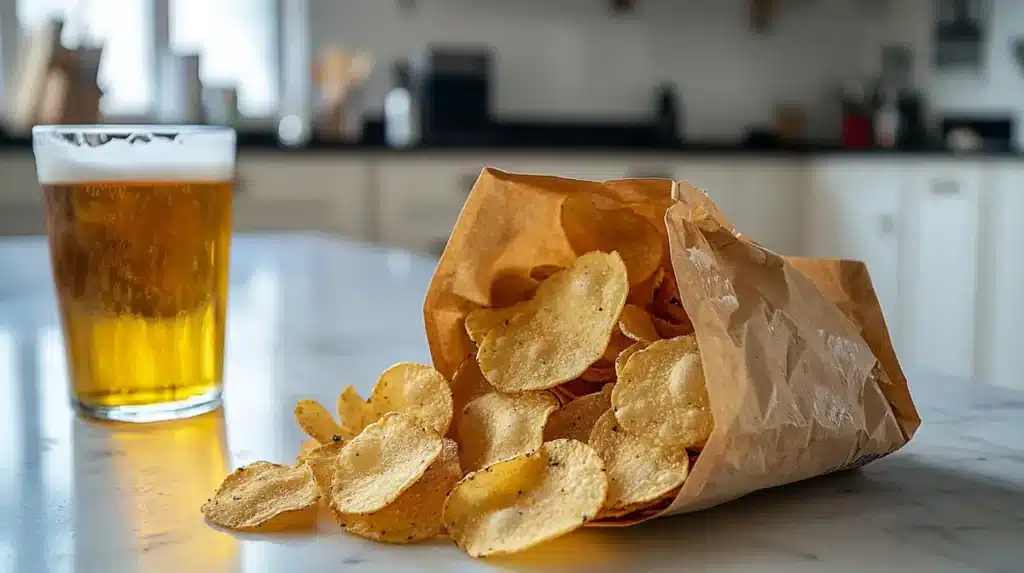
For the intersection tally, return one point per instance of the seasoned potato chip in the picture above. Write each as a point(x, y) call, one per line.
point(661, 394)
point(480, 321)
point(589, 228)
point(579, 387)
point(666, 302)
point(616, 344)
point(639, 471)
point(380, 463)
point(306, 447)
point(566, 329)
point(499, 426)
point(416, 514)
point(575, 420)
point(317, 422)
point(511, 287)
point(264, 497)
point(599, 374)
point(630, 514)
point(353, 412)
point(669, 329)
point(636, 324)
point(642, 294)
point(620, 361)
point(321, 462)
point(518, 503)
point(417, 390)
point(468, 384)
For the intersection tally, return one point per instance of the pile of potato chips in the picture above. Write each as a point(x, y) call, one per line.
point(584, 405)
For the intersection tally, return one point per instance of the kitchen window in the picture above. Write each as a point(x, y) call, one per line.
point(237, 41)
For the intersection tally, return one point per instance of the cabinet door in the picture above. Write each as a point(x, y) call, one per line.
point(854, 212)
point(291, 193)
point(768, 199)
point(999, 359)
point(942, 268)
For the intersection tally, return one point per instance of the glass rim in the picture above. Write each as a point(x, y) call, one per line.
point(124, 128)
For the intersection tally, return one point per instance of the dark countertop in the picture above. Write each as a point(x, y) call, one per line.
point(268, 142)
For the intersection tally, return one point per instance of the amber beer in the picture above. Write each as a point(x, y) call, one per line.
point(139, 251)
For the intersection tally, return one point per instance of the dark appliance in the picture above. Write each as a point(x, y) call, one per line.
point(453, 86)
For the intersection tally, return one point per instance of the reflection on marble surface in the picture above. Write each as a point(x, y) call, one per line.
point(309, 315)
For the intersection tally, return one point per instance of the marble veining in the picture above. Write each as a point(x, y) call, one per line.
point(311, 314)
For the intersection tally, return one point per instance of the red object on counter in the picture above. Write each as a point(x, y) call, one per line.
point(856, 131)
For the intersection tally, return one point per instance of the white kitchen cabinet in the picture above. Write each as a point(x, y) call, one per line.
point(281, 192)
point(855, 211)
point(420, 197)
point(941, 267)
point(1000, 324)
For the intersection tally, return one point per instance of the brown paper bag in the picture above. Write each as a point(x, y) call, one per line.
point(801, 374)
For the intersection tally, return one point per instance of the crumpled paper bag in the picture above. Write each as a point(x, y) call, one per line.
point(801, 373)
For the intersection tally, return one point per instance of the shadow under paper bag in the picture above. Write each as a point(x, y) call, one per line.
point(801, 373)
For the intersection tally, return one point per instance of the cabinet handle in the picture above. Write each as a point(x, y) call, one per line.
point(887, 224)
point(945, 188)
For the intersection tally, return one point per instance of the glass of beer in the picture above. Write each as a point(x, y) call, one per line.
point(139, 227)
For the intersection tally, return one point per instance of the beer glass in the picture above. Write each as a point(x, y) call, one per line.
point(139, 227)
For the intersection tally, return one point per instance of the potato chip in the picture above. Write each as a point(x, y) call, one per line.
point(304, 450)
point(579, 387)
point(642, 294)
point(499, 426)
point(354, 413)
point(264, 497)
point(661, 394)
point(666, 302)
point(620, 361)
point(629, 515)
point(417, 390)
point(518, 503)
point(599, 374)
point(511, 287)
point(639, 471)
point(380, 463)
point(321, 462)
point(468, 384)
point(669, 329)
point(616, 344)
point(542, 272)
point(636, 324)
point(566, 328)
point(575, 420)
point(416, 514)
point(480, 321)
point(317, 422)
point(589, 228)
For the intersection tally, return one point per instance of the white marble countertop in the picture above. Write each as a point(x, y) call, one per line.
point(308, 315)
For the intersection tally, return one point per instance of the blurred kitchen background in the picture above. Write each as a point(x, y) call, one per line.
point(882, 130)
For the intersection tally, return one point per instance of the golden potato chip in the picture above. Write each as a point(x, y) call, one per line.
point(321, 462)
point(417, 390)
point(639, 471)
point(620, 361)
point(575, 420)
point(468, 384)
point(317, 422)
point(599, 374)
point(306, 447)
point(354, 413)
point(480, 321)
point(636, 324)
point(512, 286)
point(629, 515)
point(637, 241)
point(515, 504)
point(566, 328)
point(380, 463)
point(668, 329)
point(542, 272)
point(563, 396)
point(264, 497)
point(662, 395)
point(642, 294)
point(579, 387)
point(616, 344)
point(499, 426)
point(666, 302)
point(416, 514)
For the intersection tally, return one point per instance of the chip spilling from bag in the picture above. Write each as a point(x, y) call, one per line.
point(661, 393)
point(515, 504)
point(499, 426)
point(415, 515)
point(576, 419)
point(562, 331)
point(383, 461)
point(317, 422)
point(414, 389)
point(264, 497)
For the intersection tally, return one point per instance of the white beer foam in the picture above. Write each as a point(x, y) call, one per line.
point(203, 158)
